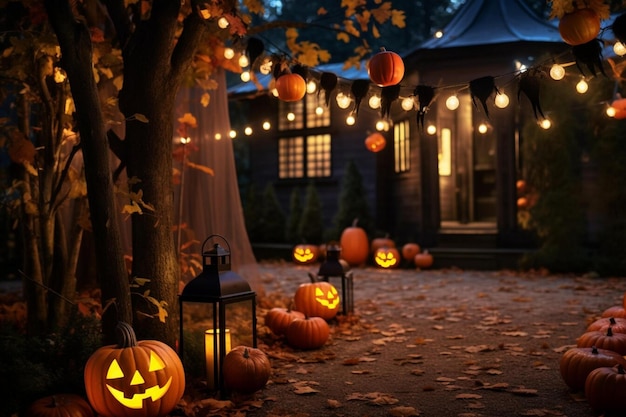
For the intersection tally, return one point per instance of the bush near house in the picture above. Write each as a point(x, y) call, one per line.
point(352, 203)
point(293, 219)
point(311, 227)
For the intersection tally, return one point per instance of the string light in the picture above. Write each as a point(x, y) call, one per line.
point(222, 22)
point(619, 48)
point(452, 103)
point(374, 102)
point(218, 136)
point(582, 86)
point(311, 87)
point(185, 141)
point(247, 131)
point(502, 100)
point(557, 72)
point(243, 61)
point(431, 129)
point(610, 111)
point(291, 116)
point(438, 34)
point(232, 134)
point(482, 128)
point(245, 76)
point(408, 103)
point(267, 125)
point(343, 101)
point(545, 124)
point(319, 110)
point(382, 125)
point(350, 120)
point(274, 92)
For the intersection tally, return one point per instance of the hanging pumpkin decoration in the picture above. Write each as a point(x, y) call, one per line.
point(246, 369)
point(605, 388)
point(617, 325)
point(278, 319)
point(409, 250)
point(375, 142)
point(305, 254)
point(134, 379)
point(580, 26)
point(604, 340)
point(317, 299)
point(387, 257)
point(355, 246)
point(423, 260)
point(308, 333)
point(620, 108)
point(386, 68)
point(577, 363)
point(290, 87)
point(60, 405)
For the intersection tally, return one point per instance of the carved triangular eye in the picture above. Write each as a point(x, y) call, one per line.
point(319, 292)
point(137, 379)
point(115, 371)
point(156, 363)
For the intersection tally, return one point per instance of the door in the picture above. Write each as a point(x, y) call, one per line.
point(467, 165)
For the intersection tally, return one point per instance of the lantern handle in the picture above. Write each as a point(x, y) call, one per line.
point(212, 236)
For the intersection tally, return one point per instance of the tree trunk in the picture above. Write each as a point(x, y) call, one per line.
point(75, 42)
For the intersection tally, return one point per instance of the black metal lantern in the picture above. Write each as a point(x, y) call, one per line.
point(331, 267)
point(217, 311)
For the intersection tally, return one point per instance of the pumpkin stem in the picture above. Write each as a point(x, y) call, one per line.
point(355, 221)
point(609, 331)
point(612, 321)
point(594, 350)
point(126, 336)
point(246, 353)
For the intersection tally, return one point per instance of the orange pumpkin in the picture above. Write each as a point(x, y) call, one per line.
point(381, 242)
point(577, 363)
point(355, 247)
point(423, 260)
point(604, 389)
point(387, 257)
point(386, 68)
point(604, 340)
point(409, 250)
point(290, 87)
point(580, 26)
point(246, 369)
point(60, 405)
point(615, 311)
point(134, 379)
point(317, 299)
point(375, 142)
point(278, 319)
point(617, 325)
point(305, 254)
point(308, 333)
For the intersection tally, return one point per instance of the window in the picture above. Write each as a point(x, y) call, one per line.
point(304, 155)
point(401, 147)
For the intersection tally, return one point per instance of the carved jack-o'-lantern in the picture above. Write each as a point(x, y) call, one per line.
point(375, 142)
point(305, 254)
point(134, 379)
point(387, 257)
point(317, 299)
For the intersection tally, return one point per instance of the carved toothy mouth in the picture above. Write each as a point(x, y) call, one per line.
point(136, 401)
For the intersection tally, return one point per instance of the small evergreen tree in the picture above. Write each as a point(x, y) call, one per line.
point(292, 234)
point(352, 202)
point(252, 211)
point(272, 217)
point(311, 228)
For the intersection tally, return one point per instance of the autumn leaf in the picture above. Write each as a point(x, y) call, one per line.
point(343, 37)
point(189, 120)
point(398, 18)
point(321, 11)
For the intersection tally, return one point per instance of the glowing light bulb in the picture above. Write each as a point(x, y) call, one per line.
point(245, 76)
point(431, 129)
point(343, 101)
point(452, 103)
point(408, 103)
point(311, 87)
point(382, 125)
point(319, 110)
point(267, 125)
point(582, 86)
point(438, 34)
point(185, 141)
point(619, 48)
point(291, 116)
point(374, 102)
point(244, 61)
point(232, 134)
point(350, 120)
point(229, 53)
point(502, 101)
point(545, 124)
point(59, 75)
point(557, 72)
point(482, 128)
point(222, 22)
point(247, 131)
point(610, 111)
point(274, 92)
point(218, 136)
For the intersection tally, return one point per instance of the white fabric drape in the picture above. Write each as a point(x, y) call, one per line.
point(211, 204)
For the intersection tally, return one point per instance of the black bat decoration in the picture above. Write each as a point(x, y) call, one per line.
point(359, 90)
point(530, 85)
point(301, 70)
point(388, 95)
point(254, 49)
point(619, 28)
point(425, 95)
point(589, 54)
point(481, 89)
point(328, 82)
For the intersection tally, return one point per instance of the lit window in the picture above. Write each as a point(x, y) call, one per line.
point(290, 115)
point(315, 117)
point(318, 156)
point(291, 157)
point(295, 160)
point(401, 146)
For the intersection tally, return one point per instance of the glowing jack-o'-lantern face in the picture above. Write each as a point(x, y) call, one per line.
point(318, 299)
point(387, 257)
point(305, 254)
point(134, 379)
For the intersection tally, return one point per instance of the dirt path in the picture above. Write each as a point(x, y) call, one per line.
point(435, 344)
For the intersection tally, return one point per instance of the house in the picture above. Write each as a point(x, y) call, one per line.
point(450, 182)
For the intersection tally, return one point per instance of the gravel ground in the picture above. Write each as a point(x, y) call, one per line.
point(433, 343)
